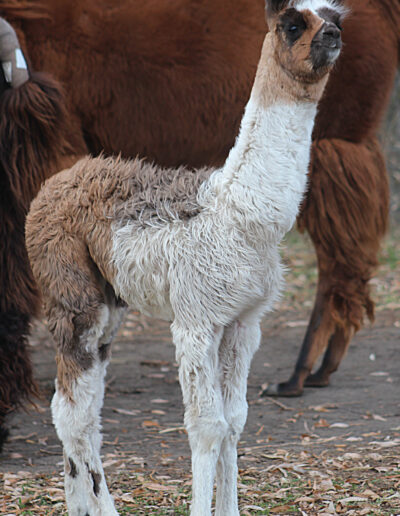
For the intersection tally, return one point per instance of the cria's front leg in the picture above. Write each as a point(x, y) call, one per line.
point(197, 355)
point(239, 342)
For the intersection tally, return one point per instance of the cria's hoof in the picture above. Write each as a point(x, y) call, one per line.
point(282, 389)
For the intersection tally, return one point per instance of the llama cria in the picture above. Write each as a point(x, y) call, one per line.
point(200, 249)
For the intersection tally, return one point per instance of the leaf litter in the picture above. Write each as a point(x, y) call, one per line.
point(282, 482)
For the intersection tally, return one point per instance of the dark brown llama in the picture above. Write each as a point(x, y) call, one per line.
point(169, 81)
point(31, 142)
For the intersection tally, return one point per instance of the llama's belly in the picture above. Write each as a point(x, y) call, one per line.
point(141, 271)
point(194, 272)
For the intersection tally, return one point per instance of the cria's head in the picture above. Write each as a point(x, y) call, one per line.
point(307, 35)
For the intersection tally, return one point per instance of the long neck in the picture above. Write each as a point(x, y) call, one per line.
point(266, 169)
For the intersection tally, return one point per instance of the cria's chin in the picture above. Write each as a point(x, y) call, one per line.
point(324, 55)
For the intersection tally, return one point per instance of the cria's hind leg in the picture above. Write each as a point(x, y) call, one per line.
point(76, 409)
point(239, 342)
point(83, 327)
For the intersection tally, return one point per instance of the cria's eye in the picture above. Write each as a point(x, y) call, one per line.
point(293, 28)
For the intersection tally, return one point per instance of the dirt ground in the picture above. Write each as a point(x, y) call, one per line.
point(143, 408)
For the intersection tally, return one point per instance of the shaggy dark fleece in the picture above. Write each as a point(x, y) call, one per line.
point(17, 385)
point(33, 114)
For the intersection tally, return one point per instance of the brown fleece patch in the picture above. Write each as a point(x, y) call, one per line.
point(72, 219)
point(137, 190)
point(69, 369)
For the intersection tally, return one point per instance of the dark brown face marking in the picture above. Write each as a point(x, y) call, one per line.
point(273, 7)
point(331, 16)
point(327, 42)
point(292, 24)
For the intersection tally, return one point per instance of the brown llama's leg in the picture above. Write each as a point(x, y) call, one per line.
point(345, 213)
point(319, 331)
point(19, 300)
point(336, 350)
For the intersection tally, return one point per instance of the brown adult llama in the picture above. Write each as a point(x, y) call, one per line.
point(169, 80)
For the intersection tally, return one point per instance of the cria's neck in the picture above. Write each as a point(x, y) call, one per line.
point(264, 176)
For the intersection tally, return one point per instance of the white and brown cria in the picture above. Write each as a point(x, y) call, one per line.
point(200, 249)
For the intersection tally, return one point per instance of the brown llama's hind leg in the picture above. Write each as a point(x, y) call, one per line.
point(345, 213)
point(335, 352)
point(319, 331)
point(19, 300)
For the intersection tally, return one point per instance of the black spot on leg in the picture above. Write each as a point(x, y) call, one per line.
point(96, 478)
point(73, 472)
point(104, 351)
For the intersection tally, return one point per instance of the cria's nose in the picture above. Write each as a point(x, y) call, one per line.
point(331, 32)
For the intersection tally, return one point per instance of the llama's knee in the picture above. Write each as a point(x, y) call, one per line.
point(80, 342)
point(207, 433)
point(236, 421)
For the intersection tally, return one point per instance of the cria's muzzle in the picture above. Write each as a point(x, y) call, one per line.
point(12, 59)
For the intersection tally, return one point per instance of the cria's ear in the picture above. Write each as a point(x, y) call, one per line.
point(273, 7)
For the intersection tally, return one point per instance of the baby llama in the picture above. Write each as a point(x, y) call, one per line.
point(197, 248)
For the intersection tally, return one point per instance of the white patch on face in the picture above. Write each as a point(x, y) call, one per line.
point(315, 5)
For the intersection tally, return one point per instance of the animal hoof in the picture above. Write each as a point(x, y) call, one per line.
point(282, 389)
